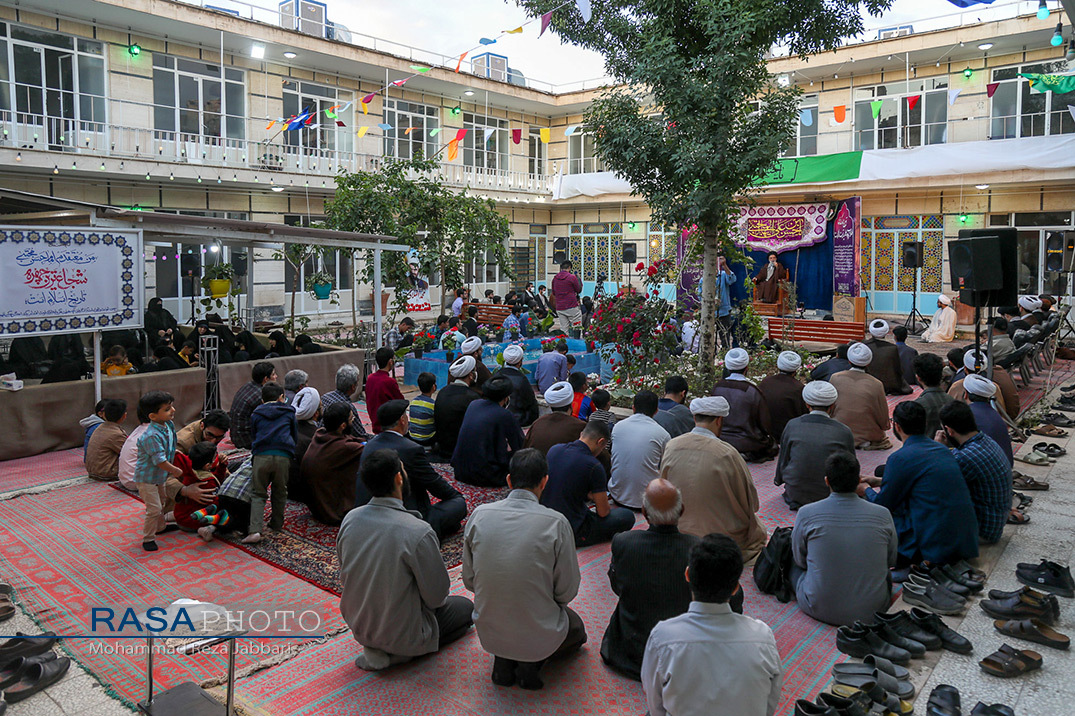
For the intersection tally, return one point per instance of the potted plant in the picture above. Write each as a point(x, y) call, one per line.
point(422, 340)
point(217, 279)
point(320, 285)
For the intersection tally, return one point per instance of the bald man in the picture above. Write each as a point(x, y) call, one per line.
point(646, 572)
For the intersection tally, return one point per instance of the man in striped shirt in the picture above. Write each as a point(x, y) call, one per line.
point(423, 430)
point(984, 467)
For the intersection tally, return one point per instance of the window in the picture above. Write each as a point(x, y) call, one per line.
point(1018, 111)
point(411, 124)
point(538, 152)
point(483, 271)
point(192, 97)
point(581, 156)
point(804, 142)
point(300, 97)
point(486, 144)
point(340, 264)
point(911, 114)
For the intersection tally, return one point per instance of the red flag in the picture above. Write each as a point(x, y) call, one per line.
point(460, 63)
point(912, 101)
point(839, 113)
point(516, 135)
point(459, 134)
point(991, 88)
point(545, 20)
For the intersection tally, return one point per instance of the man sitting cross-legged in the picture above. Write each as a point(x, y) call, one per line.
point(394, 583)
point(807, 442)
point(519, 560)
point(862, 405)
point(711, 660)
point(843, 547)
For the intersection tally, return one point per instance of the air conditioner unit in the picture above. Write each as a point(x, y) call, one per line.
point(495, 67)
point(306, 16)
point(890, 32)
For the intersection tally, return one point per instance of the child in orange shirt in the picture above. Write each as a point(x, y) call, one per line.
point(116, 363)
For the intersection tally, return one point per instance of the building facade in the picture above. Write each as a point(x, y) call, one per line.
point(172, 106)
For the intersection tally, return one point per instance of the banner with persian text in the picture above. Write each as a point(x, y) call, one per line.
point(846, 238)
point(782, 228)
point(67, 279)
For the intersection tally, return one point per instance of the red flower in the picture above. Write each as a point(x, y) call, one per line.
point(652, 270)
point(619, 329)
point(641, 265)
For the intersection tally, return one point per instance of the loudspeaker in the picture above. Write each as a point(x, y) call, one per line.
point(190, 264)
point(630, 253)
point(998, 255)
point(238, 263)
point(912, 254)
point(559, 251)
point(1069, 252)
point(1060, 251)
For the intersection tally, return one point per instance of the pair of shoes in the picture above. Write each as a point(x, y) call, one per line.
point(1033, 630)
point(1024, 500)
point(504, 671)
point(36, 677)
point(889, 702)
point(809, 708)
point(947, 577)
point(943, 701)
point(1058, 419)
point(931, 595)
point(855, 675)
point(1022, 604)
point(950, 638)
point(1047, 575)
point(507, 672)
point(1050, 450)
point(12, 671)
point(26, 645)
point(1017, 517)
point(859, 642)
point(1007, 662)
point(901, 623)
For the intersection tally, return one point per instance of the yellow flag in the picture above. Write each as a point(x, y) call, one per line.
point(545, 134)
point(453, 150)
point(516, 31)
point(365, 108)
point(362, 131)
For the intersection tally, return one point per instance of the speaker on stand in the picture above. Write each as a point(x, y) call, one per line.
point(559, 251)
point(912, 255)
point(984, 266)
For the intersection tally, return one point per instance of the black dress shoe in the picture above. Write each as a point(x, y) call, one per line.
point(972, 585)
point(504, 671)
point(809, 708)
point(529, 676)
point(886, 632)
point(860, 643)
point(933, 597)
point(1020, 607)
point(901, 623)
point(858, 705)
point(1047, 575)
point(37, 677)
point(950, 639)
point(26, 645)
point(942, 582)
point(12, 670)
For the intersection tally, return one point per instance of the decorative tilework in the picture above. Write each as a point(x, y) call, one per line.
point(866, 262)
point(883, 261)
point(932, 272)
point(867, 222)
point(906, 281)
point(933, 221)
point(574, 250)
point(896, 222)
point(616, 257)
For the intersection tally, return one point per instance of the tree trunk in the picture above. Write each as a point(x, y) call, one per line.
point(294, 289)
point(708, 343)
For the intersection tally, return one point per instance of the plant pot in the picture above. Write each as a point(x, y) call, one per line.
point(219, 287)
point(418, 352)
point(322, 291)
point(450, 357)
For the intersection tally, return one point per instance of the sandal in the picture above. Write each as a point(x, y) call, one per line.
point(1033, 630)
point(1049, 449)
point(1058, 420)
point(1032, 458)
point(1015, 517)
point(871, 662)
point(1050, 431)
point(7, 608)
point(890, 702)
point(944, 699)
point(1006, 662)
point(1026, 482)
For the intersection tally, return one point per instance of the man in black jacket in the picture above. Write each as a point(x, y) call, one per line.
point(444, 517)
point(523, 404)
point(886, 365)
point(451, 404)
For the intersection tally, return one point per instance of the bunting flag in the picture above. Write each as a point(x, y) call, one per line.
point(571, 130)
point(362, 131)
point(460, 133)
point(488, 133)
point(369, 98)
point(1071, 109)
point(545, 20)
point(340, 124)
point(434, 132)
point(952, 94)
point(991, 88)
point(419, 68)
point(516, 135)
point(806, 116)
point(875, 106)
point(453, 150)
point(1060, 84)
point(584, 9)
point(487, 41)
point(310, 118)
point(516, 31)
point(329, 113)
point(347, 106)
point(385, 126)
point(365, 108)
point(400, 83)
point(839, 113)
point(912, 101)
point(271, 124)
point(545, 134)
point(297, 122)
point(409, 130)
point(460, 63)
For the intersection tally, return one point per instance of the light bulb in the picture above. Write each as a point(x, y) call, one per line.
point(1058, 36)
point(171, 176)
point(18, 157)
point(147, 176)
point(1043, 10)
point(1070, 56)
point(55, 168)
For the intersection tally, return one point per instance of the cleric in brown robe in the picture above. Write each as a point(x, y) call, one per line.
point(769, 278)
point(748, 427)
point(559, 426)
point(330, 466)
point(783, 393)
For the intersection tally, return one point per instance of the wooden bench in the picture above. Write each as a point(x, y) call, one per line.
point(805, 331)
point(489, 314)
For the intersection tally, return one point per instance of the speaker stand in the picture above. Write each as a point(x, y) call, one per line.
point(915, 315)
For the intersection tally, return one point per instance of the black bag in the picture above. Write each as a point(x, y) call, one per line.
point(772, 570)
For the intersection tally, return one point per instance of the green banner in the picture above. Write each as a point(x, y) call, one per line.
point(1061, 84)
point(811, 170)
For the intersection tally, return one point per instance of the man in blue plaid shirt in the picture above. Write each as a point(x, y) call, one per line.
point(985, 468)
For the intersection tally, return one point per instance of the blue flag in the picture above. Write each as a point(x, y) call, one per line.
point(969, 3)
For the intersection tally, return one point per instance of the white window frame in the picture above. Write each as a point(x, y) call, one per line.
point(1011, 126)
point(537, 153)
point(581, 157)
point(928, 132)
point(491, 155)
point(231, 118)
point(804, 134)
point(403, 115)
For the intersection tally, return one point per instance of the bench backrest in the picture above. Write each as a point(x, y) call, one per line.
point(489, 314)
point(817, 331)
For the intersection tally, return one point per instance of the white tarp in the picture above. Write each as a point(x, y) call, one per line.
point(995, 155)
point(592, 184)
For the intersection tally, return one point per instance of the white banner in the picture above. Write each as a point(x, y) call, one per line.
point(68, 279)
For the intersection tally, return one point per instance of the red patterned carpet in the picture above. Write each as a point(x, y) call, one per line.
point(40, 470)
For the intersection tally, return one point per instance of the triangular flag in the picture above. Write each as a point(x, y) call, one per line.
point(460, 63)
point(400, 83)
point(362, 131)
point(313, 126)
point(419, 68)
point(839, 113)
point(340, 124)
point(271, 124)
point(309, 119)
point(297, 122)
point(545, 134)
point(912, 101)
point(365, 107)
point(453, 150)
point(347, 106)
point(571, 130)
point(409, 130)
point(385, 126)
point(806, 116)
point(875, 106)
point(329, 113)
point(369, 98)
point(460, 133)
point(488, 133)
point(516, 135)
point(487, 41)
point(545, 20)
point(952, 94)
point(516, 31)
point(434, 132)
point(1071, 108)
point(991, 88)
point(584, 9)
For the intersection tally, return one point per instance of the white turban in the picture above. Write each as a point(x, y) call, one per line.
point(305, 403)
point(789, 361)
point(944, 299)
point(712, 405)
point(879, 328)
point(559, 395)
point(819, 393)
point(470, 345)
point(736, 359)
point(462, 367)
point(860, 355)
point(977, 385)
point(970, 361)
point(513, 355)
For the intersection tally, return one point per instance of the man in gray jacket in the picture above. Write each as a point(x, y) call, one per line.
point(395, 586)
point(807, 441)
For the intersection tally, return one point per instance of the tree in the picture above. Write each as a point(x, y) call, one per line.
point(697, 120)
point(404, 199)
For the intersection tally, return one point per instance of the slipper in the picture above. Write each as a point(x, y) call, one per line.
point(1026, 482)
point(981, 709)
point(892, 685)
point(1050, 431)
point(1015, 517)
point(1007, 663)
point(890, 702)
point(943, 699)
point(1032, 458)
point(1058, 420)
point(1023, 499)
point(869, 664)
point(1050, 449)
point(1033, 630)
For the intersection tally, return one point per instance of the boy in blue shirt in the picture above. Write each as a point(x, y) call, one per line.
point(153, 465)
point(274, 430)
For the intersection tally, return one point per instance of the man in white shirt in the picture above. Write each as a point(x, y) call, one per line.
point(637, 446)
point(519, 560)
point(691, 337)
point(942, 329)
point(711, 661)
